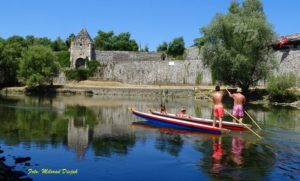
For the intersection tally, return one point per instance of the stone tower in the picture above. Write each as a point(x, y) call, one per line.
point(82, 48)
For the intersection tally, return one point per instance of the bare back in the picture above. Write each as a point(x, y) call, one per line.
point(238, 98)
point(217, 98)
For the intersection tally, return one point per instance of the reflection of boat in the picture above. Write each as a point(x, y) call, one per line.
point(167, 130)
point(225, 124)
point(179, 124)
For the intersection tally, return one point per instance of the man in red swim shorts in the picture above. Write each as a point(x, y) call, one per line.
point(217, 97)
point(238, 106)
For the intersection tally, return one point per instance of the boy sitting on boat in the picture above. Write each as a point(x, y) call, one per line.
point(183, 113)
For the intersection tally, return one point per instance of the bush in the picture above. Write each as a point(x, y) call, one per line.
point(83, 74)
point(92, 67)
point(80, 74)
point(278, 87)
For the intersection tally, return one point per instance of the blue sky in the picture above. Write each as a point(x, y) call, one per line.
point(149, 21)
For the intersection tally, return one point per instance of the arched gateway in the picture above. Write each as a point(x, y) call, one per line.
point(80, 63)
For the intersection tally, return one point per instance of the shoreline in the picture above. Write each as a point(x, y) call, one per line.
point(110, 88)
point(90, 88)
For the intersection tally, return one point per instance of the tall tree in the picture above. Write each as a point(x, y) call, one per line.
point(176, 47)
point(59, 45)
point(110, 41)
point(11, 52)
point(236, 46)
point(70, 39)
point(162, 47)
point(38, 66)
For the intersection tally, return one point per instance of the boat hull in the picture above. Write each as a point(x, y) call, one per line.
point(225, 124)
point(178, 124)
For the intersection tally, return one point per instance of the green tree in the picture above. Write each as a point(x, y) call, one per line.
point(63, 58)
point(69, 40)
point(199, 42)
point(236, 46)
point(59, 45)
point(124, 43)
point(43, 42)
point(176, 47)
point(104, 40)
point(109, 41)
point(11, 51)
point(163, 47)
point(38, 66)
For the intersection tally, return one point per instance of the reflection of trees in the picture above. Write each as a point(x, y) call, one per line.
point(82, 112)
point(169, 142)
point(258, 160)
point(284, 118)
point(108, 145)
point(34, 122)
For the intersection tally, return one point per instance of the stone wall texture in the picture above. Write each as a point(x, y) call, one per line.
point(155, 72)
point(288, 62)
point(192, 53)
point(108, 56)
point(148, 68)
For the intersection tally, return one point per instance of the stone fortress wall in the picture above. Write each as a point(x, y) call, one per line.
point(108, 56)
point(149, 68)
point(189, 71)
point(288, 62)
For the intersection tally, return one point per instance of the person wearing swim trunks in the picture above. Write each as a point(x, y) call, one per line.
point(238, 104)
point(218, 108)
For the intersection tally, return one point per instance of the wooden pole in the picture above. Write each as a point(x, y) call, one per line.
point(243, 124)
point(253, 120)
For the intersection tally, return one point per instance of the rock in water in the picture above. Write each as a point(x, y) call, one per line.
point(22, 159)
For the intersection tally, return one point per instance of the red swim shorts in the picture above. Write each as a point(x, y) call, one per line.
point(218, 111)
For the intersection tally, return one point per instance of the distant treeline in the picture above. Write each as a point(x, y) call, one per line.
point(35, 61)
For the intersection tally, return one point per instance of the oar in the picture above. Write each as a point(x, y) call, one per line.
point(253, 120)
point(239, 121)
point(243, 124)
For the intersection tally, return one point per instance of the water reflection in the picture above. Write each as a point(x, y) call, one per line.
point(78, 136)
point(237, 146)
point(217, 167)
point(236, 159)
point(100, 128)
point(168, 141)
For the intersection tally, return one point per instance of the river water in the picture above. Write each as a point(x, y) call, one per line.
point(93, 138)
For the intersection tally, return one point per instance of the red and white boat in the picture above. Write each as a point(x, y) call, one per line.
point(209, 122)
point(169, 122)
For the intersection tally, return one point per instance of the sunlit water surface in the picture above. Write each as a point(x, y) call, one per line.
point(93, 138)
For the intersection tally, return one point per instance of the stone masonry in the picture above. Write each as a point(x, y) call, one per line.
point(81, 49)
point(149, 68)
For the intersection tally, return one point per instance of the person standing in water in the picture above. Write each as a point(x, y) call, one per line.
point(238, 104)
point(218, 107)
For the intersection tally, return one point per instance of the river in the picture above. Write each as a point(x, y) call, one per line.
point(93, 138)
